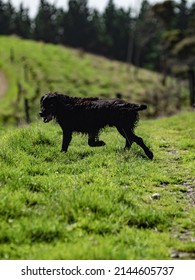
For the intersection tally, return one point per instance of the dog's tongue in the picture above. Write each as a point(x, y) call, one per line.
point(45, 119)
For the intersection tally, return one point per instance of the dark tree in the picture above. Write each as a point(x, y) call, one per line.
point(97, 33)
point(22, 23)
point(46, 23)
point(117, 27)
point(146, 34)
point(183, 15)
point(76, 24)
point(165, 11)
point(7, 16)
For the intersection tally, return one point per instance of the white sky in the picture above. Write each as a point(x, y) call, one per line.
point(99, 4)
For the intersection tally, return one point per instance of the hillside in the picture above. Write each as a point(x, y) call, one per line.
point(98, 203)
point(32, 69)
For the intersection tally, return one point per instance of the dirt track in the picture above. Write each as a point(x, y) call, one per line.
point(3, 84)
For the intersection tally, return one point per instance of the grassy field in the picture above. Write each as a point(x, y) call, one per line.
point(33, 68)
point(98, 203)
point(92, 203)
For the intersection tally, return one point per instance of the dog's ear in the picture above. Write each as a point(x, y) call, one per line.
point(42, 98)
point(48, 96)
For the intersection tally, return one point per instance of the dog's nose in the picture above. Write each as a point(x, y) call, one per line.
point(40, 114)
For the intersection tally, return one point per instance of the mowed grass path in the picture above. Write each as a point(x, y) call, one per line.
point(98, 203)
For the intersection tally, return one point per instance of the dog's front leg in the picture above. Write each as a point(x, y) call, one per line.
point(67, 136)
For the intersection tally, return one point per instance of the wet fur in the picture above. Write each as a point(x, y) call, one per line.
point(90, 115)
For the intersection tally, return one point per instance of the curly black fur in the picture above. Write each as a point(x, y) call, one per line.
point(89, 115)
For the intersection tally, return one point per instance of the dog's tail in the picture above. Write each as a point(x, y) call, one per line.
point(141, 107)
point(122, 105)
point(135, 107)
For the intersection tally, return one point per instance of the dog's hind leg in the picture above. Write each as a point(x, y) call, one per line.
point(93, 140)
point(139, 141)
point(124, 134)
point(67, 137)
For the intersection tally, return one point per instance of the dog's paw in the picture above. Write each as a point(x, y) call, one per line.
point(150, 154)
point(100, 143)
point(96, 143)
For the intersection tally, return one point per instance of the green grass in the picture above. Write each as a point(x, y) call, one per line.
point(96, 203)
point(39, 68)
point(92, 203)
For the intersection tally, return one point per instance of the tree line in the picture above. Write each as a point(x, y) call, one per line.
point(158, 37)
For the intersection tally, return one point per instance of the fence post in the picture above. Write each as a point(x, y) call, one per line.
point(26, 110)
point(192, 87)
point(12, 56)
point(178, 104)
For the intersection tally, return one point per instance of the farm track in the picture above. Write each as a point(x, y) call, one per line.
point(3, 85)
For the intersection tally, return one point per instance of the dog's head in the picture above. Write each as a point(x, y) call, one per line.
point(48, 105)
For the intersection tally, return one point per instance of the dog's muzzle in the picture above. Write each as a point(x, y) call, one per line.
point(45, 118)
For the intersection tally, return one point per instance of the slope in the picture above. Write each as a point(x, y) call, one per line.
point(33, 68)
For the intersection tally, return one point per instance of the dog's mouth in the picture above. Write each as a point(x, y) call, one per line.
point(47, 118)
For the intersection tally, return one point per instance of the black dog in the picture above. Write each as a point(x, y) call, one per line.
point(89, 115)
